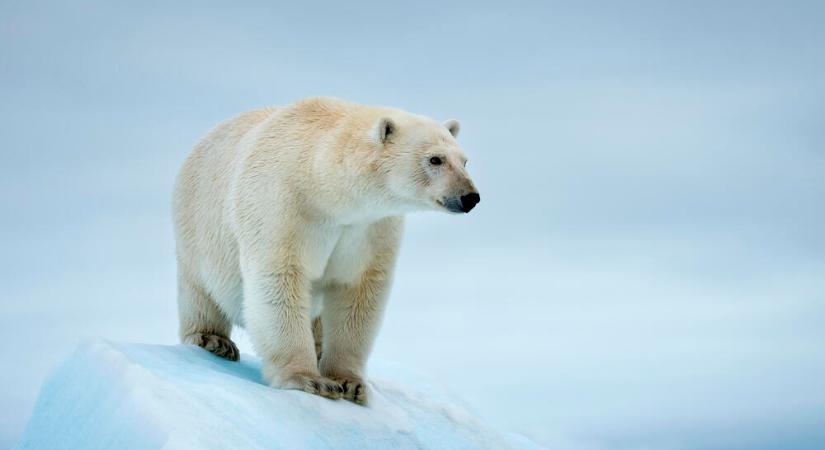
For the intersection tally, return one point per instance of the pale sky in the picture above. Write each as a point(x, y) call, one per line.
point(646, 268)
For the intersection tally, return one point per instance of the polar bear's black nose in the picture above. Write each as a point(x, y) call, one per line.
point(469, 201)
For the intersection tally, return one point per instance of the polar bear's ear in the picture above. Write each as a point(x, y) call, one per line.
point(384, 129)
point(453, 126)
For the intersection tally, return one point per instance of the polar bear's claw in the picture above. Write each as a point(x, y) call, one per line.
point(319, 385)
point(218, 345)
point(355, 390)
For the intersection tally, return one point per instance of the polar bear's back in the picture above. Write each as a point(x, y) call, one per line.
point(206, 172)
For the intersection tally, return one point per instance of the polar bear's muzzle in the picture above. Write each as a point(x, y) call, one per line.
point(462, 204)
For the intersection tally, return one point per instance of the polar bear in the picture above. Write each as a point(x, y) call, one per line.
point(288, 222)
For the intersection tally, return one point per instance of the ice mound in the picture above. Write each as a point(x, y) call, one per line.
point(134, 396)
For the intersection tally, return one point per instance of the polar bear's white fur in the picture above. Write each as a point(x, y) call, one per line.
point(288, 222)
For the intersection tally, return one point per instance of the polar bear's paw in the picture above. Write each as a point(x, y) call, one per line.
point(316, 384)
point(216, 344)
point(355, 389)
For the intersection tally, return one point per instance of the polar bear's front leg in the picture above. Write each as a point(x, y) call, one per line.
point(276, 312)
point(350, 320)
point(352, 314)
point(351, 317)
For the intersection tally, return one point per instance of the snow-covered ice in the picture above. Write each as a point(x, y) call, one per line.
point(133, 396)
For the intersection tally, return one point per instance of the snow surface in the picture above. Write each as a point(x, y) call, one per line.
point(135, 396)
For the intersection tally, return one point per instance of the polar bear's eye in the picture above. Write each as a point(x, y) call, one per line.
point(436, 161)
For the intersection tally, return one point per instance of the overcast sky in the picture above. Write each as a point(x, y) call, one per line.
point(646, 268)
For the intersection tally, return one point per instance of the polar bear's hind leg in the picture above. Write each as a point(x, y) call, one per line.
point(202, 323)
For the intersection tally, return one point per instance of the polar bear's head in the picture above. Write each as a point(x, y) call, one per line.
point(423, 165)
